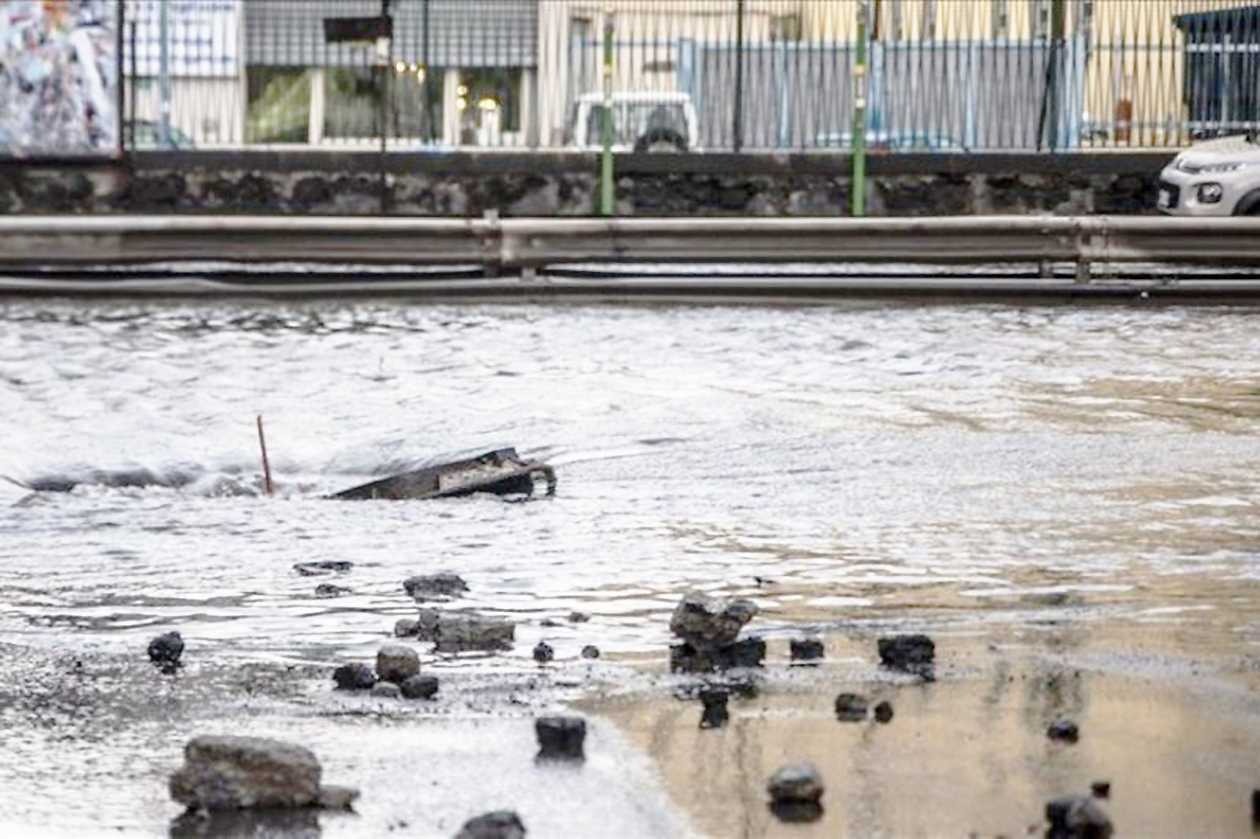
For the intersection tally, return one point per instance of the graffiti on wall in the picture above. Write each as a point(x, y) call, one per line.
point(58, 78)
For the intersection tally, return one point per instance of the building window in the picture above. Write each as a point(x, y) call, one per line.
point(489, 104)
point(1041, 19)
point(278, 104)
point(785, 27)
point(352, 103)
point(929, 20)
point(1001, 16)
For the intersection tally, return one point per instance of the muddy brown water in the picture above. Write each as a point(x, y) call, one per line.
point(1046, 490)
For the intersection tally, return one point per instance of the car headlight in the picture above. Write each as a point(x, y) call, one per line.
point(1222, 167)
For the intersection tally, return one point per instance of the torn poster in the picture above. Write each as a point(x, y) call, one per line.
point(58, 78)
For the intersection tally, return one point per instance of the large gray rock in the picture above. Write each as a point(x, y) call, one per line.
point(707, 623)
point(232, 773)
point(435, 586)
point(795, 782)
point(397, 663)
point(457, 631)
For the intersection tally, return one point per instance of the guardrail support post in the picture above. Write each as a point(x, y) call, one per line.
point(859, 115)
point(606, 203)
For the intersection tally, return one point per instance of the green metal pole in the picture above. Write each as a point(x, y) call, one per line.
point(859, 115)
point(606, 125)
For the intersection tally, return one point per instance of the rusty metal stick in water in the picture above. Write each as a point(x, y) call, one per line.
point(262, 443)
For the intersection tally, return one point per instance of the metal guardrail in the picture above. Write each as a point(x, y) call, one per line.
point(526, 244)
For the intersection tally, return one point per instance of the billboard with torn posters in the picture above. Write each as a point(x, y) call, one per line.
point(59, 78)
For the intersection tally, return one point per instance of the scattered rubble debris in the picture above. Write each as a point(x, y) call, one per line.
point(441, 586)
point(1100, 789)
point(806, 649)
point(709, 628)
point(324, 590)
point(396, 663)
point(590, 651)
point(578, 617)
point(354, 676)
point(330, 566)
point(884, 712)
point(543, 652)
point(850, 707)
point(501, 824)
point(910, 653)
point(1077, 817)
point(386, 690)
point(459, 631)
point(233, 773)
point(560, 737)
point(501, 472)
point(165, 650)
point(795, 791)
point(715, 714)
point(419, 687)
point(1064, 730)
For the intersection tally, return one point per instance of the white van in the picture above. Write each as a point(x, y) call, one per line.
point(642, 122)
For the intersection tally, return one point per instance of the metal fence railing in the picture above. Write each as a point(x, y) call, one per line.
point(943, 75)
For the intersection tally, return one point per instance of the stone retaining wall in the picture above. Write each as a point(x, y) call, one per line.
point(534, 184)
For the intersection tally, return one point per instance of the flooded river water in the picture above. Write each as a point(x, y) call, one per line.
point(1048, 478)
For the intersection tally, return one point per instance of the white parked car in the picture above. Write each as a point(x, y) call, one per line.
point(1218, 177)
point(642, 122)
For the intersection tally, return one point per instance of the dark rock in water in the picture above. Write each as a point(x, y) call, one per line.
point(396, 662)
point(330, 590)
point(501, 472)
point(684, 658)
point(435, 586)
point(715, 714)
point(543, 652)
point(314, 569)
point(165, 650)
point(884, 712)
point(560, 737)
point(420, 687)
point(502, 824)
point(910, 653)
point(1102, 789)
point(1077, 817)
point(549, 623)
point(590, 651)
point(707, 623)
point(850, 707)
point(386, 690)
point(301, 823)
point(807, 649)
point(1255, 806)
point(234, 773)
point(459, 631)
point(795, 782)
point(406, 628)
point(578, 617)
point(354, 677)
point(796, 812)
point(1064, 730)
